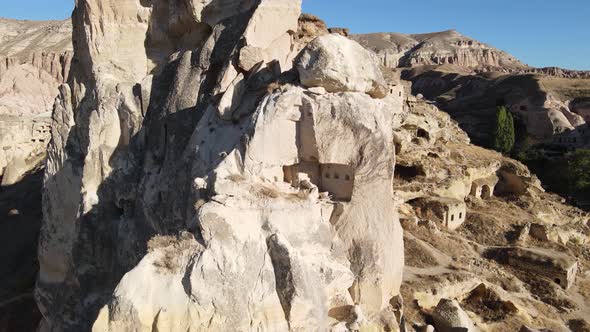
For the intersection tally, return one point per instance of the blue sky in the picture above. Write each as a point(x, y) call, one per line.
point(539, 32)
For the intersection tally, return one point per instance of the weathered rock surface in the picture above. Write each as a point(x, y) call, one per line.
point(449, 317)
point(192, 190)
point(35, 57)
point(339, 65)
point(446, 47)
point(206, 186)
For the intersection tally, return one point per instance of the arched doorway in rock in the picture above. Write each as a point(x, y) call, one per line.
point(486, 192)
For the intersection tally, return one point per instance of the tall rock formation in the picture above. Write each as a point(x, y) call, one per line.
point(193, 183)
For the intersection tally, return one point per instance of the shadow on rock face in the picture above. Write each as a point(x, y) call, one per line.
point(20, 221)
point(145, 193)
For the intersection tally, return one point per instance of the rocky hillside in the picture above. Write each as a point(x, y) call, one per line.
point(548, 108)
point(469, 78)
point(35, 57)
point(451, 50)
point(34, 60)
point(233, 166)
point(439, 48)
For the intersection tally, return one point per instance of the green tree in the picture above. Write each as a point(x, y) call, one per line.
point(578, 172)
point(504, 136)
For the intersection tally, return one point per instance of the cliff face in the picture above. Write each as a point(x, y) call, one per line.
point(193, 183)
point(447, 47)
point(215, 166)
point(453, 51)
point(34, 60)
point(35, 57)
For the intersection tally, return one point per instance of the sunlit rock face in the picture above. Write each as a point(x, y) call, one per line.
point(194, 184)
point(35, 58)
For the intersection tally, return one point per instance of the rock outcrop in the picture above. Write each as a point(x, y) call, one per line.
point(338, 64)
point(231, 165)
point(439, 48)
point(459, 202)
point(449, 317)
point(197, 185)
point(35, 58)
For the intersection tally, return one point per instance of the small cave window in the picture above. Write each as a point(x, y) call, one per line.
point(452, 217)
point(347, 177)
point(460, 215)
point(557, 281)
point(400, 93)
point(422, 133)
point(337, 176)
point(327, 175)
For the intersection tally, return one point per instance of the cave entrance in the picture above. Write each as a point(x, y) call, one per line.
point(486, 192)
point(422, 133)
point(408, 173)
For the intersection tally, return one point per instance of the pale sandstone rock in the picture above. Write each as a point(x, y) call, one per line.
point(26, 90)
point(250, 56)
point(14, 172)
point(136, 162)
point(339, 64)
point(438, 48)
point(35, 57)
point(232, 97)
point(449, 317)
point(212, 12)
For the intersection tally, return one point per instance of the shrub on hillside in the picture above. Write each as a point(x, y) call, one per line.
point(504, 136)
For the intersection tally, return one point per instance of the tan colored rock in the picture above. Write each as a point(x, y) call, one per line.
point(449, 317)
point(438, 48)
point(250, 56)
point(267, 251)
point(24, 40)
point(14, 172)
point(26, 90)
point(339, 65)
point(212, 12)
point(232, 97)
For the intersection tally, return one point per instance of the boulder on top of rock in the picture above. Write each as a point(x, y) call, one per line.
point(449, 317)
point(339, 64)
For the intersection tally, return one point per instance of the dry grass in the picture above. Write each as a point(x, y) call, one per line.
point(565, 88)
point(173, 249)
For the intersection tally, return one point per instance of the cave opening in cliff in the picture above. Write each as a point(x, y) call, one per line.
point(422, 133)
point(408, 173)
point(336, 179)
